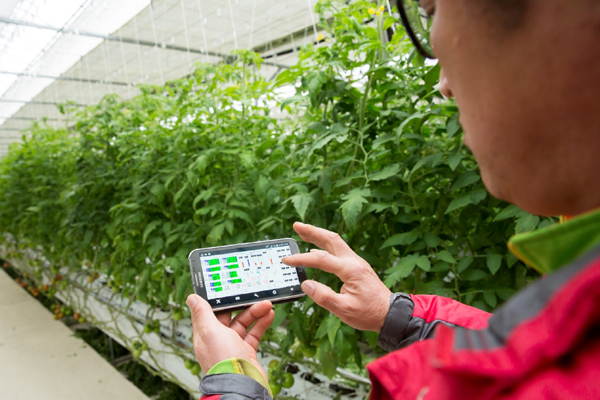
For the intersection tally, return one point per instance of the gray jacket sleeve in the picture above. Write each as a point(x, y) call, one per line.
point(233, 387)
point(400, 328)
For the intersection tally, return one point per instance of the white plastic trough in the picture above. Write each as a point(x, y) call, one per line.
point(123, 320)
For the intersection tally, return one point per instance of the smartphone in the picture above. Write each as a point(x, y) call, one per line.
point(236, 276)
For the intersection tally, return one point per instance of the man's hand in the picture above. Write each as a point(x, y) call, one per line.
point(363, 301)
point(218, 337)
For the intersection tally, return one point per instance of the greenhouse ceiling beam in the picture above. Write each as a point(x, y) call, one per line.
point(43, 103)
point(114, 38)
point(33, 119)
point(67, 78)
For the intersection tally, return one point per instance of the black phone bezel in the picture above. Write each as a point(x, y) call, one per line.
point(200, 286)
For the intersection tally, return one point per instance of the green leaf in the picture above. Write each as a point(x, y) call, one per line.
point(215, 234)
point(429, 161)
point(333, 325)
point(330, 364)
point(424, 263)
point(464, 263)
point(490, 298)
point(414, 136)
point(301, 202)
point(475, 197)
point(156, 247)
point(504, 293)
point(340, 131)
point(180, 193)
point(432, 77)
point(228, 225)
point(296, 325)
point(431, 239)
point(281, 312)
point(352, 207)
point(511, 259)
point(440, 267)
point(454, 160)
point(413, 117)
point(382, 140)
point(149, 228)
point(527, 223)
point(323, 326)
point(184, 287)
point(377, 207)
point(453, 126)
point(466, 179)
point(234, 212)
point(291, 100)
point(204, 195)
point(401, 270)
point(494, 261)
point(474, 275)
point(445, 255)
point(385, 173)
point(510, 212)
point(388, 22)
point(401, 239)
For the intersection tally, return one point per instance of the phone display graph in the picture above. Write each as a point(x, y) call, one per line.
point(249, 271)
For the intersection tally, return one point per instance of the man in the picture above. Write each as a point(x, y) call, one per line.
point(526, 77)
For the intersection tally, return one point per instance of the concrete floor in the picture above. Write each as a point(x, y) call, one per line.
point(41, 359)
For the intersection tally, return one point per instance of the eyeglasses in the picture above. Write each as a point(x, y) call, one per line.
point(417, 23)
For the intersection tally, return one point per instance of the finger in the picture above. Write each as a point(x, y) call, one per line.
point(203, 317)
point(224, 318)
point(330, 241)
point(257, 331)
point(246, 318)
point(322, 260)
point(324, 296)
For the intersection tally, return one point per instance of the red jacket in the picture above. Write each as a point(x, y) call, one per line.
point(543, 343)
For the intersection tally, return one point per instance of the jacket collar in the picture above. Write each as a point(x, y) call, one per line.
point(550, 248)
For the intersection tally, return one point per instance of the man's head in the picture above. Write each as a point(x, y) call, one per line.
point(526, 77)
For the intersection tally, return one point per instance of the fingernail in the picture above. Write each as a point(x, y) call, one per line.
point(308, 287)
point(191, 301)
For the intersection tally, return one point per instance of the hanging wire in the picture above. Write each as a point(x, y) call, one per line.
point(125, 66)
point(202, 19)
point(235, 41)
point(252, 24)
point(81, 92)
point(139, 51)
point(160, 71)
point(44, 50)
point(104, 57)
point(391, 15)
point(185, 32)
point(87, 67)
point(287, 19)
point(312, 19)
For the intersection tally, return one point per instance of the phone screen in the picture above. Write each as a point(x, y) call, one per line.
point(251, 272)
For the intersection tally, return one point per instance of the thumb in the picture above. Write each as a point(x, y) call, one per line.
point(202, 313)
point(323, 295)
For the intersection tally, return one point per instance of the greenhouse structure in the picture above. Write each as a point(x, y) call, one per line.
point(133, 132)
